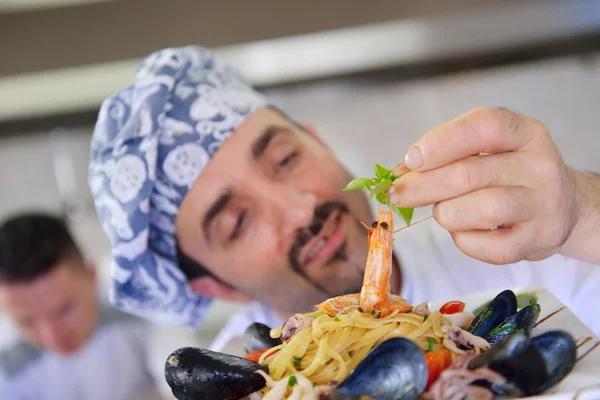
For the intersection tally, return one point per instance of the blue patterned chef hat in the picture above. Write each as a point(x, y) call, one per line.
point(150, 143)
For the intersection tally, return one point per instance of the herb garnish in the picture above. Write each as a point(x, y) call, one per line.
point(292, 381)
point(297, 361)
point(378, 187)
point(431, 343)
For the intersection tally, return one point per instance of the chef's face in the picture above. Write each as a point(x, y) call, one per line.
point(268, 217)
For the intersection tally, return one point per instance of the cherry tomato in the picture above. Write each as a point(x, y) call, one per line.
point(452, 307)
point(437, 361)
point(255, 355)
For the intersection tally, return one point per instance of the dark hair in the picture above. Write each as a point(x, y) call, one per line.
point(191, 268)
point(32, 244)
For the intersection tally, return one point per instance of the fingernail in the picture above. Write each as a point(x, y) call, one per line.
point(414, 158)
point(400, 170)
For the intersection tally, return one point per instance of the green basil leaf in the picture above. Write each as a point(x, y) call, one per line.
point(378, 187)
point(382, 187)
point(381, 171)
point(406, 213)
point(358, 183)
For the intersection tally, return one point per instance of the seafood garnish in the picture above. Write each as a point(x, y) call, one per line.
point(462, 319)
point(397, 364)
point(456, 382)
point(293, 325)
point(375, 295)
point(422, 309)
point(459, 336)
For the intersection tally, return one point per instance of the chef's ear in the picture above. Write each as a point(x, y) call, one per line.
point(209, 287)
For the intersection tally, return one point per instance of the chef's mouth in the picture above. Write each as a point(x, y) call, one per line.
point(310, 240)
point(326, 243)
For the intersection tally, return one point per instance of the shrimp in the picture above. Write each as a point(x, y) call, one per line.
point(376, 281)
point(375, 296)
point(339, 304)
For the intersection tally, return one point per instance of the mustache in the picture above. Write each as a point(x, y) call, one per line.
point(305, 234)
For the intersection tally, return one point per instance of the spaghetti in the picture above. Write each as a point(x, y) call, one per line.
point(326, 351)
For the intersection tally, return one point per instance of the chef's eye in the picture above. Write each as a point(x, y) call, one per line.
point(239, 225)
point(287, 160)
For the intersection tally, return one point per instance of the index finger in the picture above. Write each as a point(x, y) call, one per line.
point(482, 130)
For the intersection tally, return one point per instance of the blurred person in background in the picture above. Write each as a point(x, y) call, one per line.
point(71, 345)
point(209, 191)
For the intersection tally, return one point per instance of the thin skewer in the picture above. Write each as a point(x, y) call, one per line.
point(398, 230)
point(414, 223)
point(365, 225)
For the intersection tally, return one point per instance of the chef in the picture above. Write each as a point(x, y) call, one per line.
point(207, 190)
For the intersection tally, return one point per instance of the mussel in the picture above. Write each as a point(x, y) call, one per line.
point(500, 318)
point(200, 374)
point(522, 321)
point(503, 306)
point(394, 370)
point(257, 337)
point(530, 365)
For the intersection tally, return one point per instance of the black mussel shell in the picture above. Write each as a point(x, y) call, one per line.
point(394, 370)
point(497, 358)
point(503, 306)
point(530, 365)
point(509, 347)
point(200, 374)
point(257, 337)
point(522, 321)
point(559, 351)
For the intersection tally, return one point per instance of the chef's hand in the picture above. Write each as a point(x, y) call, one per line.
point(500, 187)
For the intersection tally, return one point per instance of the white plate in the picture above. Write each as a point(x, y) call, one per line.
point(583, 383)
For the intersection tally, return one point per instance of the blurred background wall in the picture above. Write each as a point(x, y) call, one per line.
point(371, 76)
